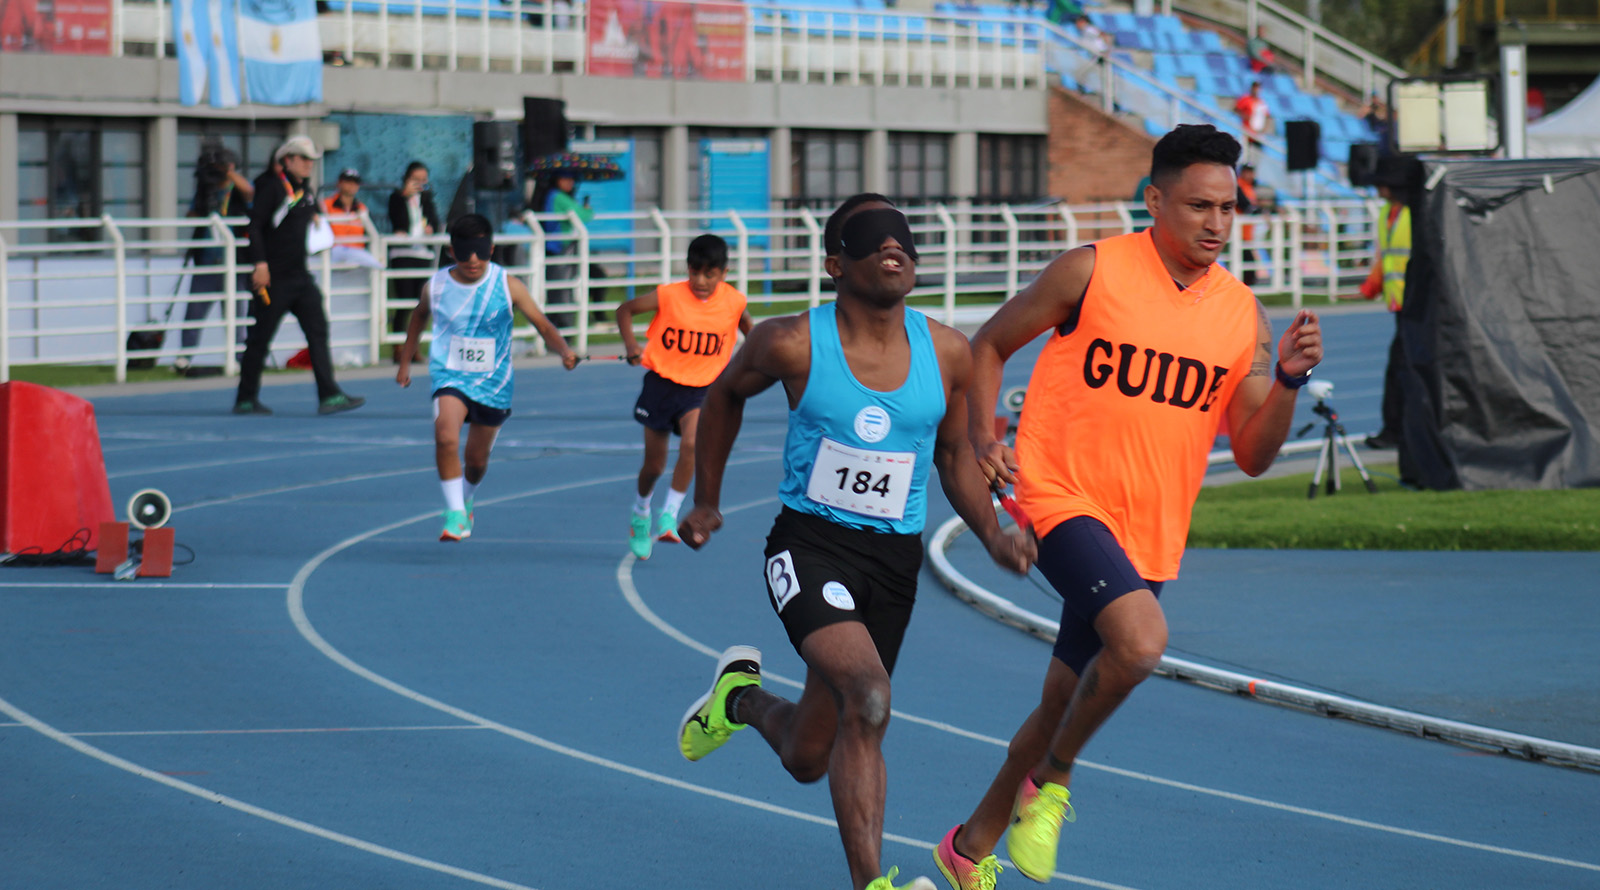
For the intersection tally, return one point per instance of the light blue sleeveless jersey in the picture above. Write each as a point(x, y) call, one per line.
point(856, 456)
point(472, 337)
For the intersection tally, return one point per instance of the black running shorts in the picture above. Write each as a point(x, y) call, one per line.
point(1088, 567)
point(820, 573)
point(662, 402)
point(478, 414)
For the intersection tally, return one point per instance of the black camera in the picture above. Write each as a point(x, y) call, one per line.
point(211, 167)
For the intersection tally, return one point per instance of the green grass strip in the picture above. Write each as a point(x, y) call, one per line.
point(1275, 514)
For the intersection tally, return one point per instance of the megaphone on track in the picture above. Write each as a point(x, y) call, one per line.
point(149, 508)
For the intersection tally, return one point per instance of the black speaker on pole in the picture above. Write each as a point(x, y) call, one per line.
point(494, 154)
point(1363, 166)
point(1305, 143)
point(544, 127)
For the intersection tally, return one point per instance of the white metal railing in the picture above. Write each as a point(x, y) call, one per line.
point(76, 301)
point(783, 43)
point(1320, 51)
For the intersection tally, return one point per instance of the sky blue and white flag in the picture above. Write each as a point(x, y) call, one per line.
point(191, 25)
point(224, 61)
point(281, 50)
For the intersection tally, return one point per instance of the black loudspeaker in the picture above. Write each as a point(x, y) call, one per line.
point(544, 127)
point(1363, 166)
point(494, 154)
point(1305, 143)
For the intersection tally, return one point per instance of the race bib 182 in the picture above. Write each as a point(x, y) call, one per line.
point(471, 355)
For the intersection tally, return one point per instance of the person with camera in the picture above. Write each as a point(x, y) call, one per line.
point(285, 206)
point(411, 213)
point(219, 188)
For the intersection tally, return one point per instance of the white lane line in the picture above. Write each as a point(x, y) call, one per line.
point(233, 461)
point(33, 723)
point(306, 731)
point(631, 593)
point(144, 584)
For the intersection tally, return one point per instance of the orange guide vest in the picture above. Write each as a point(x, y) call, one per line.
point(691, 340)
point(1122, 411)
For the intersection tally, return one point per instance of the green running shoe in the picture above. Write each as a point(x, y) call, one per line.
point(339, 402)
point(1035, 831)
point(639, 538)
point(887, 883)
point(667, 528)
point(469, 514)
point(249, 406)
point(706, 725)
point(456, 526)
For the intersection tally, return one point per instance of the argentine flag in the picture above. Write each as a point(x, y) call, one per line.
point(208, 51)
point(282, 51)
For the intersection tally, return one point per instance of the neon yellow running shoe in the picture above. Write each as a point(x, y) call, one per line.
point(961, 872)
point(887, 883)
point(1036, 820)
point(639, 539)
point(705, 725)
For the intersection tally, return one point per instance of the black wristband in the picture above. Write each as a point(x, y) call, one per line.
point(1291, 382)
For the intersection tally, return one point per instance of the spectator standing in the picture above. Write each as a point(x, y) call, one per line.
point(1098, 43)
point(563, 199)
point(1388, 280)
point(1254, 114)
point(284, 207)
point(1262, 59)
point(1247, 205)
point(411, 213)
point(219, 188)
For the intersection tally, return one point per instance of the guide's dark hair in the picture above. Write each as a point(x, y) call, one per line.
point(1190, 144)
point(472, 225)
point(708, 252)
point(833, 232)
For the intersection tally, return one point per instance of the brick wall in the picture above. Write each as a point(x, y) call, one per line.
point(1093, 156)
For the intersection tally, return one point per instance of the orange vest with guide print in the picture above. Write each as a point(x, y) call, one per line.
point(691, 339)
point(1122, 411)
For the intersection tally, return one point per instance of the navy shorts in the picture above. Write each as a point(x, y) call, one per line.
point(662, 402)
point(821, 573)
point(477, 414)
point(1085, 564)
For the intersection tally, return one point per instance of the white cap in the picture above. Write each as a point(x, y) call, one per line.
point(297, 145)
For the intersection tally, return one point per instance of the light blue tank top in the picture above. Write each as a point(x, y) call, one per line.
point(472, 336)
point(857, 456)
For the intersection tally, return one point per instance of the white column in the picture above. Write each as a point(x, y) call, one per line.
point(9, 171)
point(963, 173)
point(1514, 99)
point(675, 169)
point(161, 174)
point(875, 162)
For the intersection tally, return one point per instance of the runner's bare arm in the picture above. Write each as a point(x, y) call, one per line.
point(419, 319)
point(959, 474)
point(778, 349)
point(523, 300)
point(745, 322)
point(1262, 409)
point(1050, 301)
point(625, 313)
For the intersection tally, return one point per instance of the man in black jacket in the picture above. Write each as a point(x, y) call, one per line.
point(283, 209)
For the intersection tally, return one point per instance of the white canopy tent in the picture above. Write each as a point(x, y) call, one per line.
point(1572, 132)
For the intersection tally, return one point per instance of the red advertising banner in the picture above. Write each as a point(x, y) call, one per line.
point(667, 39)
point(77, 27)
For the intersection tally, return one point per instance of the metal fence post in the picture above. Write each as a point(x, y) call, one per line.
point(665, 231)
point(581, 280)
point(230, 296)
point(741, 273)
point(814, 257)
point(949, 223)
point(1333, 251)
point(1278, 250)
point(119, 253)
point(1013, 250)
point(1296, 252)
point(377, 288)
point(1072, 226)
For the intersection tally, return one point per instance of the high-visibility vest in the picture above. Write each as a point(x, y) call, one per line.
point(1394, 250)
point(348, 233)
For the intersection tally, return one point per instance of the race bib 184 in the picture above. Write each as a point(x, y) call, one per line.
point(859, 480)
point(471, 355)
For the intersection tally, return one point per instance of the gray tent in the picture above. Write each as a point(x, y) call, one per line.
point(1501, 325)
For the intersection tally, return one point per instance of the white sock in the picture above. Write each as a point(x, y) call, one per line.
point(641, 503)
point(674, 501)
point(453, 499)
point(467, 489)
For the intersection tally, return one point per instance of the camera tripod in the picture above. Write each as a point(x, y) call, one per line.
point(1333, 436)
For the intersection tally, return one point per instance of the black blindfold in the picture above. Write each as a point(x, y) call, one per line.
point(866, 231)
point(467, 247)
